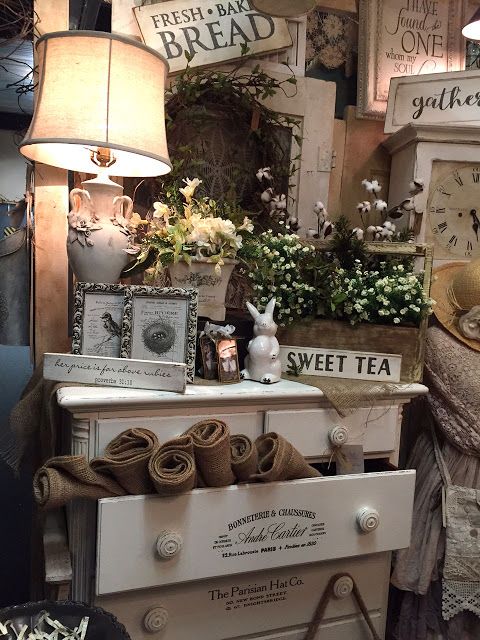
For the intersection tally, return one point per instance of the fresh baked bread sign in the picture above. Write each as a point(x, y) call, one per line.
point(209, 32)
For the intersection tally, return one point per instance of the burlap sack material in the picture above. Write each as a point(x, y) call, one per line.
point(211, 442)
point(66, 478)
point(126, 458)
point(172, 468)
point(279, 460)
point(244, 457)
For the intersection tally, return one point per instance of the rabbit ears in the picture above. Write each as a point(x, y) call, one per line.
point(268, 309)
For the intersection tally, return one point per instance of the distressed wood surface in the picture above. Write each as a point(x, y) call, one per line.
point(51, 207)
point(365, 157)
point(334, 334)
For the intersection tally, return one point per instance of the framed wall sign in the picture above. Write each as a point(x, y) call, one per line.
point(405, 38)
point(160, 324)
point(211, 32)
point(97, 319)
point(439, 98)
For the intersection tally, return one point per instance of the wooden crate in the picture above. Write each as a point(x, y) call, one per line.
point(409, 342)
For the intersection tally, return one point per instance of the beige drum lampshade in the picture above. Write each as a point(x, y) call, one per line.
point(99, 90)
point(284, 8)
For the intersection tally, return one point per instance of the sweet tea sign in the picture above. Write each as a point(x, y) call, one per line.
point(209, 32)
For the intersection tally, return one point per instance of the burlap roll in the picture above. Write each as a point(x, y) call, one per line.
point(172, 467)
point(244, 457)
point(279, 460)
point(126, 459)
point(211, 443)
point(65, 478)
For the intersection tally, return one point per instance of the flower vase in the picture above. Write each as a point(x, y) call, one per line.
point(98, 235)
point(212, 286)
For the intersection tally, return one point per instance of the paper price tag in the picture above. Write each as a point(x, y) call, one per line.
point(350, 460)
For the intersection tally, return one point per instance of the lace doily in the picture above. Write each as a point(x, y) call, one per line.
point(331, 41)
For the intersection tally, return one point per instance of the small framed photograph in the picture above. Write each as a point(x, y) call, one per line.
point(208, 350)
point(97, 319)
point(227, 354)
point(160, 324)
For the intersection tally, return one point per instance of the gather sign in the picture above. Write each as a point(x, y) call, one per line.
point(434, 99)
point(209, 32)
point(336, 363)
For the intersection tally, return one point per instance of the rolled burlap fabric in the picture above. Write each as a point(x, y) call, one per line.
point(244, 457)
point(126, 458)
point(65, 478)
point(211, 443)
point(172, 467)
point(279, 460)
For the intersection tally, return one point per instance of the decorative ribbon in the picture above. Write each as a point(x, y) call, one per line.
point(325, 599)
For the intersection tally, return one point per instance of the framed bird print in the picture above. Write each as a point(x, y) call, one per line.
point(160, 324)
point(97, 319)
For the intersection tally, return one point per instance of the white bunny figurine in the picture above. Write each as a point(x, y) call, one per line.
point(263, 361)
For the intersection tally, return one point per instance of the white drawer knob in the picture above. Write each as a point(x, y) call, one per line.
point(169, 544)
point(155, 620)
point(343, 587)
point(338, 436)
point(368, 519)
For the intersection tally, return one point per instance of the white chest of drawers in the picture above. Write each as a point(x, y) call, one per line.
point(248, 560)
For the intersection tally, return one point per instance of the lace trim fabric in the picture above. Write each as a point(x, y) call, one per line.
point(461, 572)
point(458, 597)
point(331, 41)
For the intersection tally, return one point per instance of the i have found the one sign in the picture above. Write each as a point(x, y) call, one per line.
point(211, 32)
point(334, 363)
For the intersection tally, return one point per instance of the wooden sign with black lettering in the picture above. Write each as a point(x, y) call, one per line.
point(439, 98)
point(335, 363)
point(211, 32)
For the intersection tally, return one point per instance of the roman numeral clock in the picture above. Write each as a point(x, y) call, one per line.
point(448, 159)
point(454, 210)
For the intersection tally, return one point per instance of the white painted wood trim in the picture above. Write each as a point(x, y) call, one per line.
point(246, 393)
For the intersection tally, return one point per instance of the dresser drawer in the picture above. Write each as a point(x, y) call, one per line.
point(353, 629)
point(309, 429)
point(166, 427)
point(255, 603)
point(215, 532)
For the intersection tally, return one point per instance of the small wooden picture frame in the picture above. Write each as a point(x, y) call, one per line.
point(97, 319)
point(160, 324)
point(208, 350)
point(227, 356)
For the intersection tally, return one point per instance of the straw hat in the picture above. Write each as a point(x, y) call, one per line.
point(456, 289)
point(283, 8)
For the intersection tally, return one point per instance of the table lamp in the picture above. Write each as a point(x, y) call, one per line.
point(471, 31)
point(99, 109)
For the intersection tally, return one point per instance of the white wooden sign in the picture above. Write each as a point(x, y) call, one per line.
point(335, 363)
point(211, 32)
point(405, 38)
point(115, 372)
point(438, 99)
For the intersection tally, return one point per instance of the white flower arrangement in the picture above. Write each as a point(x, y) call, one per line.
point(390, 295)
point(276, 269)
point(198, 228)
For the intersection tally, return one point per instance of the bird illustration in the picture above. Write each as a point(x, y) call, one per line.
point(112, 329)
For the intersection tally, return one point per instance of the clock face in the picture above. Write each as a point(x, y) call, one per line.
point(454, 213)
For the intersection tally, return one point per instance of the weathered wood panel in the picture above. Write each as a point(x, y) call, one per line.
point(51, 206)
point(333, 334)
